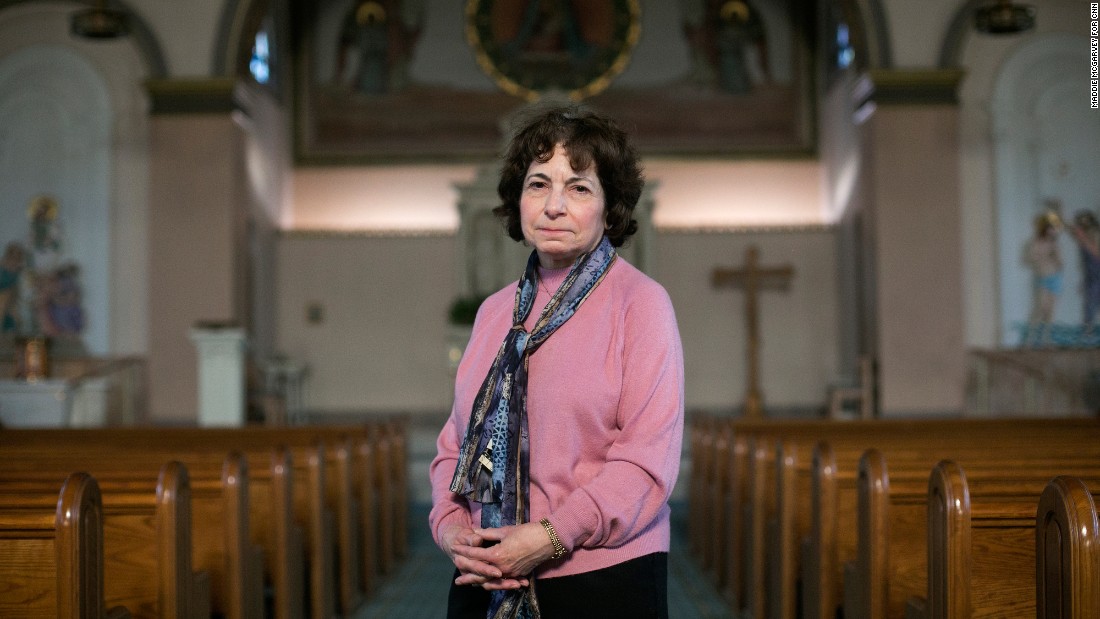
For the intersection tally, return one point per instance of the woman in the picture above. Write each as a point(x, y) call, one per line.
point(562, 448)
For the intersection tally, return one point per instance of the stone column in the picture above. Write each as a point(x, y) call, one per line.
point(911, 151)
point(198, 194)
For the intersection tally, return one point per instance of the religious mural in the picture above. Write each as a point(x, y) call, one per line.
point(428, 79)
point(553, 46)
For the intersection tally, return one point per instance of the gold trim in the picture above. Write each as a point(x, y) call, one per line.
point(594, 87)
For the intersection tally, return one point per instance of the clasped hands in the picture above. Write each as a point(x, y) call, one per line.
point(505, 565)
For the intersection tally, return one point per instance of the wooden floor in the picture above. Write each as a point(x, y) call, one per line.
point(419, 589)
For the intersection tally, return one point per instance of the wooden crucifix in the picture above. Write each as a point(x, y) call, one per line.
point(753, 278)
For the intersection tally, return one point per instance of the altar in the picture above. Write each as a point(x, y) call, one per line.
point(35, 404)
point(86, 392)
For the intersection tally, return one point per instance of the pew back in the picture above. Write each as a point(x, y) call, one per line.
point(51, 556)
point(1067, 538)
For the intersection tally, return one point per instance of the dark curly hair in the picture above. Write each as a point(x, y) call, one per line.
point(588, 138)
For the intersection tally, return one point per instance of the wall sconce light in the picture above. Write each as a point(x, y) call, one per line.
point(100, 22)
point(1004, 17)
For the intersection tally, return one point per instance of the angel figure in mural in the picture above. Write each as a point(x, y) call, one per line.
point(375, 47)
point(1086, 232)
point(1045, 260)
point(729, 44)
point(11, 269)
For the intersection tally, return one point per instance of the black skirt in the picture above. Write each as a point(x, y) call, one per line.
point(634, 589)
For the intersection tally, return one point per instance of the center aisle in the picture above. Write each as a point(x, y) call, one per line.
point(419, 588)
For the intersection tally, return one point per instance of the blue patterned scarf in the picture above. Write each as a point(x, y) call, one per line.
point(493, 464)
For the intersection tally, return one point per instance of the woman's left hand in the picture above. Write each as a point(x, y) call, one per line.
point(522, 547)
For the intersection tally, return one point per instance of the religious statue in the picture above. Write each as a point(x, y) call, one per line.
point(1045, 260)
point(61, 313)
point(11, 270)
point(45, 233)
point(1086, 232)
point(40, 294)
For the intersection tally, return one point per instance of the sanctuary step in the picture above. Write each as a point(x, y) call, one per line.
point(1010, 382)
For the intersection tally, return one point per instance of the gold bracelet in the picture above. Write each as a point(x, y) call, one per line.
point(559, 549)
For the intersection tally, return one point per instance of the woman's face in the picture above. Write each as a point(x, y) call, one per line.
point(561, 210)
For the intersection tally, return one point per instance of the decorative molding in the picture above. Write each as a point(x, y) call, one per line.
point(910, 87)
point(365, 233)
point(191, 96)
point(394, 233)
point(747, 229)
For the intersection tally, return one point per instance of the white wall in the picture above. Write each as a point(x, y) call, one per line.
point(381, 342)
point(798, 326)
point(381, 345)
point(186, 32)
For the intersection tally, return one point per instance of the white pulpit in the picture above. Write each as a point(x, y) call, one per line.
point(221, 357)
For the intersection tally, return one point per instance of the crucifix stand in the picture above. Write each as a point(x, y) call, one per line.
point(753, 278)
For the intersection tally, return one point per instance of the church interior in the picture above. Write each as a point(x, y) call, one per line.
point(264, 226)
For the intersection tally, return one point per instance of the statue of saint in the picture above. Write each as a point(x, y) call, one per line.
point(11, 269)
point(1045, 260)
point(1086, 232)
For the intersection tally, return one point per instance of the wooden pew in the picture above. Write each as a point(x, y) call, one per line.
point(700, 485)
point(397, 432)
point(1067, 551)
point(51, 558)
point(365, 465)
point(830, 542)
point(732, 491)
point(798, 439)
point(713, 524)
point(226, 505)
point(146, 532)
point(758, 500)
point(959, 545)
point(363, 481)
point(221, 540)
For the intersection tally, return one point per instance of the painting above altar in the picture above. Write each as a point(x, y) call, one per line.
point(432, 80)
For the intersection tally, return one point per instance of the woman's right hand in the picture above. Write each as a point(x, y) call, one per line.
point(458, 542)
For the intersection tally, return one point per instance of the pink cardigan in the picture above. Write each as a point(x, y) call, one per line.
point(605, 411)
